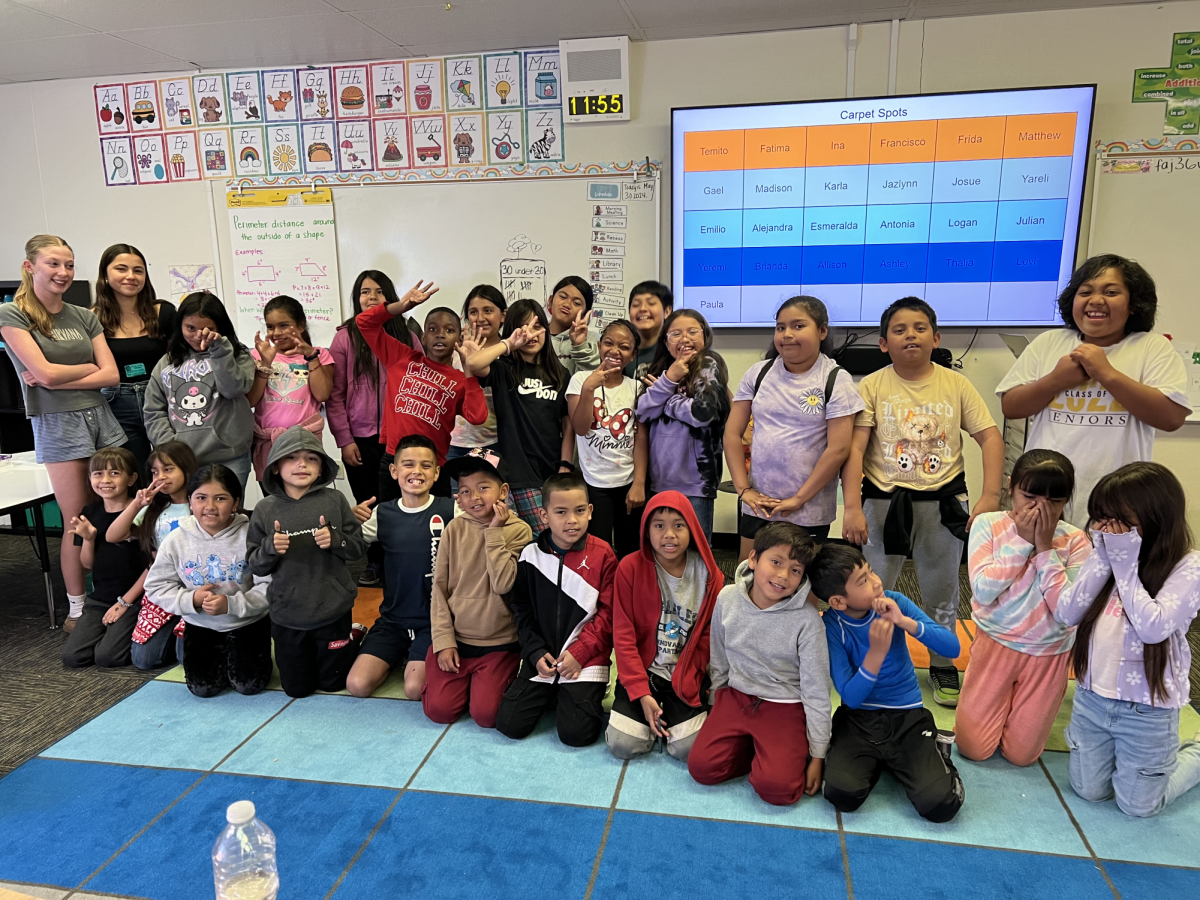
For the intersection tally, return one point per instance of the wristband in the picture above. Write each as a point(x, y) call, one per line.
point(316, 353)
point(123, 604)
point(567, 464)
point(507, 347)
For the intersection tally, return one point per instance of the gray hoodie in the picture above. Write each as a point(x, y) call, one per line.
point(310, 587)
point(202, 402)
point(189, 557)
point(583, 358)
point(778, 653)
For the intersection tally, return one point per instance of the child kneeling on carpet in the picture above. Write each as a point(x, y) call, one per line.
point(1019, 563)
point(201, 573)
point(1133, 603)
point(409, 530)
point(562, 600)
point(881, 723)
point(769, 667)
point(302, 534)
point(663, 602)
point(474, 654)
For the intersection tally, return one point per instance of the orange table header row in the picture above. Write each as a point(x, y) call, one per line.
point(932, 140)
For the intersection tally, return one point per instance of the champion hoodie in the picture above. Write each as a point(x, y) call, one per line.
point(310, 587)
point(189, 558)
point(638, 607)
point(778, 653)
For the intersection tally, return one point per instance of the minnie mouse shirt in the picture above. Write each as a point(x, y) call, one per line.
point(606, 449)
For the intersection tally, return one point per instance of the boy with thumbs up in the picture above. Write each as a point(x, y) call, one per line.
point(302, 534)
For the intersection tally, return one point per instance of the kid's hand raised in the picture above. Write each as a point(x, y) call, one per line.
point(886, 607)
point(206, 337)
point(678, 370)
point(499, 514)
point(418, 294)
point(82, 527)
point(266, 350)
point(323, 535)
point(545, 666)
point(469, 345)
point(579, 328)
point(146, 494)
point(282, 541)
point(362, 512)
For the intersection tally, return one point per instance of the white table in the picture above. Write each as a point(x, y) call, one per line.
point(25, 484)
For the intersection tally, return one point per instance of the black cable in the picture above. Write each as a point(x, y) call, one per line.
point(958, 362)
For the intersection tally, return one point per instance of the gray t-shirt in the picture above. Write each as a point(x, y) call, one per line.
point(681, 598)
point(70, 344)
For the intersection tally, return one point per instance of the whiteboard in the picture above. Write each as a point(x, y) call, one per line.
point(457, 233)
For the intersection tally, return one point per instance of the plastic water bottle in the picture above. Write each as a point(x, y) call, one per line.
point(244, 857)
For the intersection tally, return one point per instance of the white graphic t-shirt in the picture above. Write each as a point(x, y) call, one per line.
point(606, 450)
point(681, 599)
point(1086, 423)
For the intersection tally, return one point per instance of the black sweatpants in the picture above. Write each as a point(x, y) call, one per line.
point(865, 742)
point(364, 483)
point(580, 715)
point(314, 660)
point(94, 643)
point(611, 523)
point(215, 660)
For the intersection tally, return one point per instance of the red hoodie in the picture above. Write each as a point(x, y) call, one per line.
point(637, 609)
point(423, 397)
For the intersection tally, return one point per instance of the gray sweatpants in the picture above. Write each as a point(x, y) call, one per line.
point(936, 554)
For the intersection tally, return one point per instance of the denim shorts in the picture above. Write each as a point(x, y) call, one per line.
point(63, 436)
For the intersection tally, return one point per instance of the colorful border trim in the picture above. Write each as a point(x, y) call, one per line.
point(1167, 144)
point(476, 173)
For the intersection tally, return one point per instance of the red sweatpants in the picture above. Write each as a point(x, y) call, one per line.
point(743, 734)
point(479, 682)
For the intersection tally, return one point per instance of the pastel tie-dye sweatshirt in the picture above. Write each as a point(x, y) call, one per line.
point(1014, 591)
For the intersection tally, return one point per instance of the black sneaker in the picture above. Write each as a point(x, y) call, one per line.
point(944, 681)
point(945, 740)
point(370, 576)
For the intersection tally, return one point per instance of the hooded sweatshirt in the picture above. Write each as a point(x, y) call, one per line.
point(778, 653)
point(638, 607)
point(475, 565)
point(563, 601)
point(190, 558)
point(583, 358)
point(310, 587)
point(202, 402)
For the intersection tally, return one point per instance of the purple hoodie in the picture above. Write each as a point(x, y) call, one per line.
point(686, 433)
point(354, 409)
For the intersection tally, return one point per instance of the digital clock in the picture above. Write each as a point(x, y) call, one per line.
point(597, 105)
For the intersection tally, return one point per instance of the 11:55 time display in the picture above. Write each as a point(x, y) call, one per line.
point(596, 105)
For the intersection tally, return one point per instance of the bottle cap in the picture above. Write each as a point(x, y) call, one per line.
point(240, 813)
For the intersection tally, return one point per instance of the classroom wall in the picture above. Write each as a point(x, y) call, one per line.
point(55, 181)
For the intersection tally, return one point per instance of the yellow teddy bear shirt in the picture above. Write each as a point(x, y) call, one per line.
point(916, 427)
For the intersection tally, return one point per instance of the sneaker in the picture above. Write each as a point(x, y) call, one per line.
point(944, 681)
point(69, 624)
point(370, 577)
point(358, 631)
point(945, 740)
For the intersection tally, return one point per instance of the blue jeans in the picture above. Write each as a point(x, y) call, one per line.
point(126, 400)
point(703, 507)
point(1129, 750)
point(162, 648)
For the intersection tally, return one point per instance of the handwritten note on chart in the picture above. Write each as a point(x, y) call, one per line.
point(284, 242)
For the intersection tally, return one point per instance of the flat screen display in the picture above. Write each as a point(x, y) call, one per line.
point(970, 200)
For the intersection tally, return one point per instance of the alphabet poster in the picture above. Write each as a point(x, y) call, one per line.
point(391, 144)
point(502, 74)
point(315, 88)
point(467, 139)
point(283, 149)
point(429, 141)
point(284, 242)
point(350, 84)
point(215, 158)
point(209, 91)
point(542, 79)
point(425, 86)
point(151, 155)
point(279, 86)
point(117, 153)
point(354, 146)
point(506, 142)
point(144, 112)
point(110, 109)
point(245, 98)
point(544, 130)
point(177, 108)
point(249, 150)
point(387, 89)
point(183, 158)
point(464, 82)
point(319, 141)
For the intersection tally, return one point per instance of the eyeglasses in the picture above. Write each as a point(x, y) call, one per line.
point(692, 333)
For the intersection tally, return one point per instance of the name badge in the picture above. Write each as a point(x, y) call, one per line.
point(135, 369)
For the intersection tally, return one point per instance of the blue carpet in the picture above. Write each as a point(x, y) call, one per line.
point(451, 847)
point(1155, 882)
point(319, 828)
point(61, 820)
point(663, 857)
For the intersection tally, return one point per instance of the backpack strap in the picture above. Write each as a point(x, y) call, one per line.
point(833, 374)
point(762, 374)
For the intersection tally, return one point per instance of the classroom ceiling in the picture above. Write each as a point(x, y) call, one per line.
point(47, 39)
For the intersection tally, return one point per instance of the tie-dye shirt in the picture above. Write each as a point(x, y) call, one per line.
point(1014, 591)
